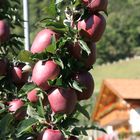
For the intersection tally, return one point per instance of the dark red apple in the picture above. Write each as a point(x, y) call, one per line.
point(3, 67)
point(4, 31)
point(91, 59)
point(32, 96)
point(44, 71)
point(62, 100)
point(86, 80)
point(92, 28)
point(42, 40)
point(50, 134)
point(18, 76)
point(96, 5)
point(75, 51)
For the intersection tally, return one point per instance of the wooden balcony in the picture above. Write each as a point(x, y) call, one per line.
point(115, 117)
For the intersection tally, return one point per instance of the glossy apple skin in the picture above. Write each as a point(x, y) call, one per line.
point(92, 28)
point(50, 134)
point(44, 71)
point(3, 67)
point(18, 76)
point(32, 96)
point(4, 31)
point(14, 107)
point(62, 100)
point(42, 40)
point(15, 104)
point(75, 51)
point(96, 5)
point(85, 79)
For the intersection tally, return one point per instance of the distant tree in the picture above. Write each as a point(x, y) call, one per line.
point(122, 34)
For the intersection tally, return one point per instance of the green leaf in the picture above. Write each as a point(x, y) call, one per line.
point(60, 62)
point(26, 88)
point(51, 9)
point(82, 110)
point(34, 114)
point(5, 123)
point(52, 48)
point(58, 1)
point(84, 46)
point(55, 24)
point(69, 122)
point(2, 108)
point(76, 86)
point(25, 56)
point(1, 77)
point(25, 125)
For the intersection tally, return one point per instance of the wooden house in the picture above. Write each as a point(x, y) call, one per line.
point(118, 105)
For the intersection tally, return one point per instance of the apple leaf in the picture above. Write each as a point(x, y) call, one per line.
point(82, 110)
point(58, 1)
point(84, 46)
point(5, 124)
point(82, 130)
point(25, 56)
point(76, 86)
point(52, 48)
point(69, 122)
point(51, 9)
point(34, 114)
point(1, 77)
point(25, 89)
point(25, 126)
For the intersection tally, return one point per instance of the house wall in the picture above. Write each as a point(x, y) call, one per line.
point(135, 120)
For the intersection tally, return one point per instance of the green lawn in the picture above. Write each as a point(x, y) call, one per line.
point(124, 69)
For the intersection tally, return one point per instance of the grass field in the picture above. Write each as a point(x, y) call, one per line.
point(124, 69)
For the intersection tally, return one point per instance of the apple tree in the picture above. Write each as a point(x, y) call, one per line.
point(41, 89)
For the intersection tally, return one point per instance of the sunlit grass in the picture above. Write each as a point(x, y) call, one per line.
point(125, 69)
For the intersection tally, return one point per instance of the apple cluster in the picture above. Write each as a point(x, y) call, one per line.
point(59, 70)
point(63, 100)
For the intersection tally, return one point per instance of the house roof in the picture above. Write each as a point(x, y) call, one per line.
point(124, 88)
point(114, 90)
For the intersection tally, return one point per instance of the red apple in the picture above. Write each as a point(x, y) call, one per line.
point(50, 134)
point(15, 104)
point(32, 96)
point(75, 51)
point(4, 31)
point(44, 71)
point(42, 40)
point(18, 76)
point(96, 5)
point(92, 28)
point(3, 67)
point(62, 100)
point(86, 80)
point(14, 107)
point(91, 59)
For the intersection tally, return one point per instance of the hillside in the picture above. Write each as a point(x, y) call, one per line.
point(123, 69)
